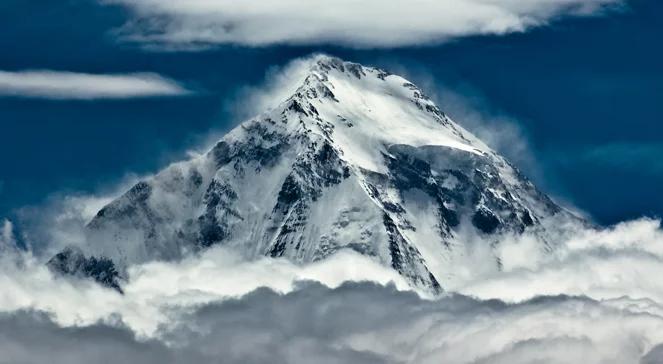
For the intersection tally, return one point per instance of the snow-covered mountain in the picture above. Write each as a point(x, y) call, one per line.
point(356, 158)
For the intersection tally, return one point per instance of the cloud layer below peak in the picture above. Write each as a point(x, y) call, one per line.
point(369, 23)
point(595, 299)
point(211, 307)
point(85, 86)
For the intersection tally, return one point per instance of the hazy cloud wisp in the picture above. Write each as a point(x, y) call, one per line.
point(70, 85)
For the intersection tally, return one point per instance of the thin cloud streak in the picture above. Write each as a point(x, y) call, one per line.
point(366, 24)
point(49, 84)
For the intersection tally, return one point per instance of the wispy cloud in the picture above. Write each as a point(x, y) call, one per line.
point(278, 84)
point(6, 235)
point(369, 23)
point(70, 85)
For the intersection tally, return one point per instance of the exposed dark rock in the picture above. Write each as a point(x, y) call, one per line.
point(485, 221)
point(328, 63)
point(316, 170)
point(404, 257)
point(325, 92)
point(290, 193)
point(140, 192)
point(297, 107)
point(128, 207)
point(221, 153)
point(355, 69)
point(72, 261)
point(393, 207)
point(213, 224)
point(450, 217)
point(527, 219)
point(382, 74)
point(196, 180)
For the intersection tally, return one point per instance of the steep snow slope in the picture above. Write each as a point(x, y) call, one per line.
point(356, 159)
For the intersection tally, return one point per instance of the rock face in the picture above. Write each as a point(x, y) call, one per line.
point(356, 159)
point(72, 261)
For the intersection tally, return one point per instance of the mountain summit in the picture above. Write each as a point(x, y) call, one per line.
point(356, 158)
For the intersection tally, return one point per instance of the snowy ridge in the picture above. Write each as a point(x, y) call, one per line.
point(356, 159)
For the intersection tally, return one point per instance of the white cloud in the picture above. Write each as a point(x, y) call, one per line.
point(278, 84)
point(156, 291)
point(355, 322)
point(7, 239)
point(369, 23)
point(604, 264)
point(69, 85)
point(597, 299)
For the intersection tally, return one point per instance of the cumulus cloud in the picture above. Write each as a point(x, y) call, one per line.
point(372, 23)
point(31, 337)
point(601, 263)
point(596, 299)
point(355, 322)
point(70, 85)
point(156, 291)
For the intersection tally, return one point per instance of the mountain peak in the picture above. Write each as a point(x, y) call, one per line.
point(369, 109)
point(357, 158)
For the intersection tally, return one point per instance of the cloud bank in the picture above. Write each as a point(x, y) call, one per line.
point(595, 299)
point(69, 85)
point(369, 23)
point(319, 324)
point(579, 305)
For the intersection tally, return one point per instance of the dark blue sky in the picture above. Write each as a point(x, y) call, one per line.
point(586, 93)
